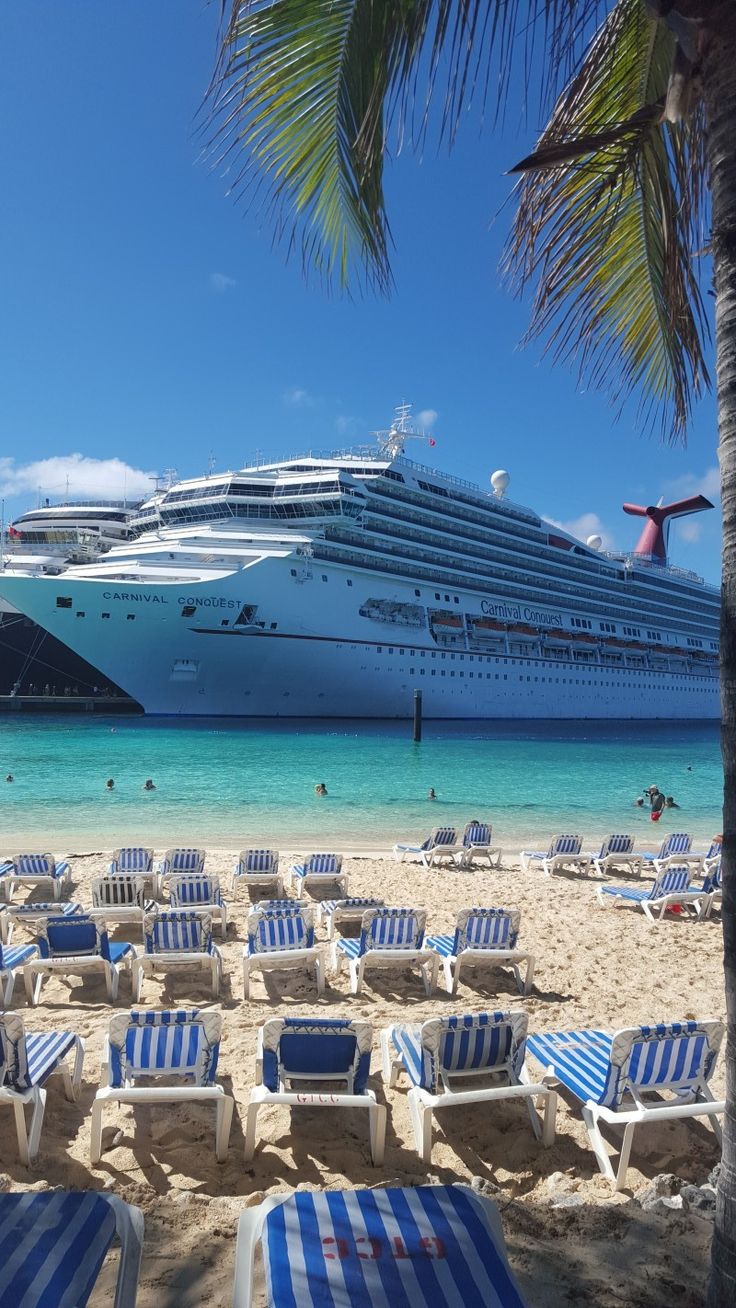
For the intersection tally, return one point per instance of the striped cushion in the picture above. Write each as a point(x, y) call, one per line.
point(581, 1060)
point(118, 892)
point(28, 1059)
point(257, 860)
point(195, 890)
point(445, 946)
point(183, 860)
point(416, 1248)
point(319, 865)
point(178, 932)
point(278, 929)
point(52, 1246)
point(43, 1052)
point(673, 881)
point(172, 1043)
point(52, 909)
point(392, 928)
point(132, 859)
point(350, 946)
point(457, 1044)
point(34, 865)
point(441, 836)
point(15, 955)
point(477, 833)
point(565, 845)
point(616, 845)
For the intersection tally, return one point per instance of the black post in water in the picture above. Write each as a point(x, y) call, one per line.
point(417, 715)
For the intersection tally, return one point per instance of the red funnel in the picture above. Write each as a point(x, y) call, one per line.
point(653, 540)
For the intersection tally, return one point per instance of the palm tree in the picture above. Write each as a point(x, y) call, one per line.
point(627, 200)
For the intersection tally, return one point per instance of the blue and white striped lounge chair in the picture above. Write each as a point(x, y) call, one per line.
point(477, 842)
point(483, 937)
point(12, 959)
point(389, 938)
point(175, 939)
point(200, 892)
point(53, 1245)
point(121, 898)
point(712, 885)
point(344, 912)
point(138, 860)
point(145, 1051)
point(319, 870)
point(671, 888)
point(33, 870)
point(184, 859)
point(616, 852)
point(675, 848)
point(76, 945)
point(10, 914)
point(321, 1062)
point(443, 840)
point(281, 935)
point(446, 1060)
point(27, 1060)
point(259, 869)
point(563, 852)
point(428, 1246)
point(713, 856)
point(622, 1078)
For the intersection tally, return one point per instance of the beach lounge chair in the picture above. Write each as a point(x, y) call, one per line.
point(305, 1061)
point(319, 870)
point(259, 869)
point(33, 913)
point(27, 1060)
point(177, 939)
point(138, 860)
point(348, 912)
point(637, 1075)
point(615, 853)
point(563, 852)
point(121, 898)
point(671, 888)
point(447, 1058)
point(483, 936)
point(181, 860)
point(441, 839)
point(428, 1246)
point(59, 1240)
point(674, 848)
point(281, 935)
point(144, 1049)
point(712, 886)
point(76, 945)
point(33, 870)
point(476, 842)
point(389, 938)
point(713, 856)
point(12, 959)
point(199, 892)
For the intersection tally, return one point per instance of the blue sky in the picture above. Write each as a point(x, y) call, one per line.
point(147, 319)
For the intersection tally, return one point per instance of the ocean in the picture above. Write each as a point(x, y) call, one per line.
point(239, 783)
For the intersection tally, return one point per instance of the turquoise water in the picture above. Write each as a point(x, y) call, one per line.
point(234, 782)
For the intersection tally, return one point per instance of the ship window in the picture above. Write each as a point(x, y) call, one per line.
point(130, 617)
point(65, 601)
point(417, 593)
point(349, 582)
point(225, 622)
point(292, 571)
point(80, 613)
point(324, 576)
point(246, 614)
point(447, 599)
point(436, 595)
point(104, 615)
point(274, 625)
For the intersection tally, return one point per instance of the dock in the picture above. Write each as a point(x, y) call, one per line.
point(68, 704)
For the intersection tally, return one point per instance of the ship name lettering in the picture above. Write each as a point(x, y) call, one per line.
point(210, 602)
point(134, 596)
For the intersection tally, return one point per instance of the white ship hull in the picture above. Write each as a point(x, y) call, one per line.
point(311, 653)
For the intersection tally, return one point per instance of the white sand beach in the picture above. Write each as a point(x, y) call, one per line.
point(595, 967)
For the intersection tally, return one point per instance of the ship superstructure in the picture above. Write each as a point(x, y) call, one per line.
point(337, 585)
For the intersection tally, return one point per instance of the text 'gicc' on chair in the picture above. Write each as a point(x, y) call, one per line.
point(144, 1049)
point(27, 1060)
point(319, 1063)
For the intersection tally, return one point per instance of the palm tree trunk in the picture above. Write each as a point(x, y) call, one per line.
point(719, 74)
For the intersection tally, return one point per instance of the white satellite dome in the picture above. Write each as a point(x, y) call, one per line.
point(594, 542)
point(500, 481)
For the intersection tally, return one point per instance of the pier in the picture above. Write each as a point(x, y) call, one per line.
point(68, 704)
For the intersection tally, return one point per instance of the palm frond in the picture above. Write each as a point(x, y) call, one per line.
point(608, 234)
point(305, 92)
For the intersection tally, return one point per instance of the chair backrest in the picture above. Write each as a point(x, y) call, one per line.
point(73, 937)
point(477, 833)
point(472, 1044)
point(441, 836)
point(392, 928)
point(677, 1056)
point(194, 888)
point(324, 864)
point(34, 865)
point(565, 845)
point(281, 925)
point(123, 890)
point(715, 849)
point(176, 1042)
point(677, 843)
point(326, 1048)
point(616, 845)
point(177, 931)
point(671, 881)
point(713, 880)
point(486, 928)
point(258, 860)
point(184, 859)
point(13, 1052)
point(132, 858)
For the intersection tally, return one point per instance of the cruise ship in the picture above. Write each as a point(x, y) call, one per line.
point(337, 586)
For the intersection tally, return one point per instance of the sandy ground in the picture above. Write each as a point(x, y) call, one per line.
point(595, 967)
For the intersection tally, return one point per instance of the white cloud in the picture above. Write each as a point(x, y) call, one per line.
point(707, 483)
point(588, 524)
point(345, 425)
point(689, 531)
point(85, 477)
point(220, 282)
point(298, 398)
point(426, 418)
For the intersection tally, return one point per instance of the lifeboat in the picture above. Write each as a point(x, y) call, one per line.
point(583, 636)
point(488, 624)
point(452, 620)
point(556, 636)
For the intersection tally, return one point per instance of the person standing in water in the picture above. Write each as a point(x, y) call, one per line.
point(109, 784)
point(320, 789)
point(432, 793)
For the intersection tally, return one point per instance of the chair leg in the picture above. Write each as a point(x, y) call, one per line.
point(95, 1142)
point(377, 1126)
point(112, 981)
point(224, 1109)
point(623, 1162)
point(421, 1120)
point(215, 976)
point(129, 1223)
point(319, 975)
point(387, 1066)
point(137, 979)
point(597, 1142)
point(8, 987)
point(73, 1079)
point(33, 980)
point(357, 969)
point(251, 1122)
point(529, 979)
point(246, 978)
point(452, 975)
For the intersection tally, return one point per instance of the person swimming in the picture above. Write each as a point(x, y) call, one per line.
point(148, 784)
point(10, 777)
point(109, 784)
point(320, 788)
point(670, 803)
point(432, 794)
